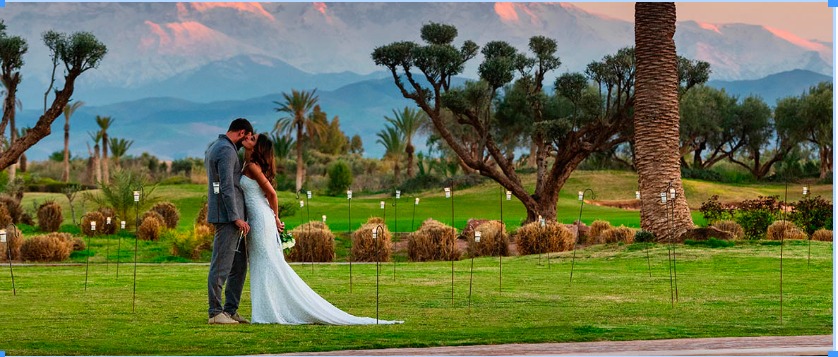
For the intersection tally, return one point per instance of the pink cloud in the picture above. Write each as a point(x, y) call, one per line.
point(506, 11)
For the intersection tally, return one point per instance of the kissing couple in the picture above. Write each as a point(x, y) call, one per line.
point(243, 207)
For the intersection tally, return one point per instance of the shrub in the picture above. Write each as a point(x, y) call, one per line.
point(812, 213)
point(13, 206)
point(92, 216)
point(14, 240)
point(184, 244)
point(168, 212)
point(150, 229)
point(46, 248)
point(713, 210)
point(756, 215)
point(314, 243)
point(532, 238)
point(731, 227)
point(339, 179)
point(597, 227)
point(5, 218)
point(644, 236)
point(108, 228)
point(49, 216)
point(204, 235)
point(710, 243)
point(701, 174)
point(433, 241)
point(421, 182)
point(780, 230)
point(493, 241)
point(119, 194)
point(154, 215)
point(823, 235)
point(367, 249)
point(26, 219)
point(78, 244)
point(619, 234)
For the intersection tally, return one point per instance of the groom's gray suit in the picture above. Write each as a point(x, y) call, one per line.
point(228, 265)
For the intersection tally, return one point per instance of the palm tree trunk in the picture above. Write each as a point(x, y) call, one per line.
point(96, 165)
point(105, 170)
point(65, 175)
point(409, 150)
point(656, 121)
point(299, 156)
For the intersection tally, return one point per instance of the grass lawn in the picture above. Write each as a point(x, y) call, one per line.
point(731, 291)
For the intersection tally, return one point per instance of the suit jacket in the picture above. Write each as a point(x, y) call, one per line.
point(222, 163)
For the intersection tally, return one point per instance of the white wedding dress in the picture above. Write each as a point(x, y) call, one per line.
point(277, 293)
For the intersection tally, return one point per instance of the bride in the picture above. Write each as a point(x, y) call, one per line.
point(277, 293)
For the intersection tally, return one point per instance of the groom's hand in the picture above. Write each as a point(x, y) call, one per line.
point(243, 226)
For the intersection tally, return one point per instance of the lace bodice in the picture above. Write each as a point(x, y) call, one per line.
point(277, 293)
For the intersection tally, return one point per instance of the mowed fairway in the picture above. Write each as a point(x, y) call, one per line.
point(721, 292)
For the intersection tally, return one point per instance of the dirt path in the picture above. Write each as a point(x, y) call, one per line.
point(727, 346)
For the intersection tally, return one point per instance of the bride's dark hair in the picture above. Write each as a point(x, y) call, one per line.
point(263, 155)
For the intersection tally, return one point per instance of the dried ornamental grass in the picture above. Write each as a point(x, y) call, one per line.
point(433, 241)
point(597, 227)
point(314, 243)
point(5, 218)
point(494, 240)
point(532, 238)
point(150, 229)
point(154, 215)
point(105, 227)
point(823, 235)
point(49, 216)
point(619, 234)
point(13, 207)
point(14, 240)
point(169, 212)
point(46, 248)
point(731, 227)
point(781, 230)
point(367, 249)
point(92, 216)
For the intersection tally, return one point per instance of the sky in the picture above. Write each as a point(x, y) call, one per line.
point(806, 20)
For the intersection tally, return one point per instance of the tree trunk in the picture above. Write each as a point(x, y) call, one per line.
point(299, 157)
point(531, 161)
point(409, 150)
point(656, 121)
point(105, 170)
point(65, 175)
point(97, 168)
point(826, 155)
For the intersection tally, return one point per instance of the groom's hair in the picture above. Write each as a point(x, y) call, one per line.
point(241, 124)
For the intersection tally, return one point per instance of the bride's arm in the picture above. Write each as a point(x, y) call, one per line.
point(265, 185)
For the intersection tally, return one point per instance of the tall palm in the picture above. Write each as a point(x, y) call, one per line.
point(656, 119)
point(118, 149)
point(409, 121)
point(394, 144)
point(298, 107)
point(282, 149)
point(22, 162)
point(94, 169)
point(104, 123)
point(69, 109)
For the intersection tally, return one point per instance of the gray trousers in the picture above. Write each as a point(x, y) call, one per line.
point(227, 266)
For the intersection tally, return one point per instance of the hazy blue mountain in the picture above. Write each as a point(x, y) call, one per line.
point(775, 86)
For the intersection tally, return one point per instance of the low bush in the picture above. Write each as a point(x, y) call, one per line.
point(812, 213)
point(731, 227)
point(314, 242)
point(710, 243)
point(597, 227)
point(154, 215)
point(782, 230)
point(46, 248)
point(14, 240)
point(339, 179)
point(189, 245)
point(150, 229)
point(493, 240)
point(168, 212)
point(756, 215)
point(532, 238)
point(714, 211)
point(823, 235)
point(108, 228)
point(433, 241)
point(13, 207)
point(49, 216)
point(92, 216)
point(644, 236)
point(619, 234)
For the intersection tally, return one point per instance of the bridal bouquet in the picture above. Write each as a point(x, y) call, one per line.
point(286, 241)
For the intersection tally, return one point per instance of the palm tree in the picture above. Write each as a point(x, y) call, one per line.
point(656, 119)
point(94, 170)
point(298, 107)
point(118, 149)
point(69, 109)
point(394, 144)
point(22, 162)
point(409, 122)
point(104, 123)
point(282, 149)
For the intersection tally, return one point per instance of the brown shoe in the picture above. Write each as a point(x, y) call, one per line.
point(239, 318)
point(222, 319)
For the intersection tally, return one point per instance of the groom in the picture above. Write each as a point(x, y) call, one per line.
point(226, 211)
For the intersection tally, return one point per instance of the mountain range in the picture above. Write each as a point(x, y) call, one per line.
point(177, 73)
